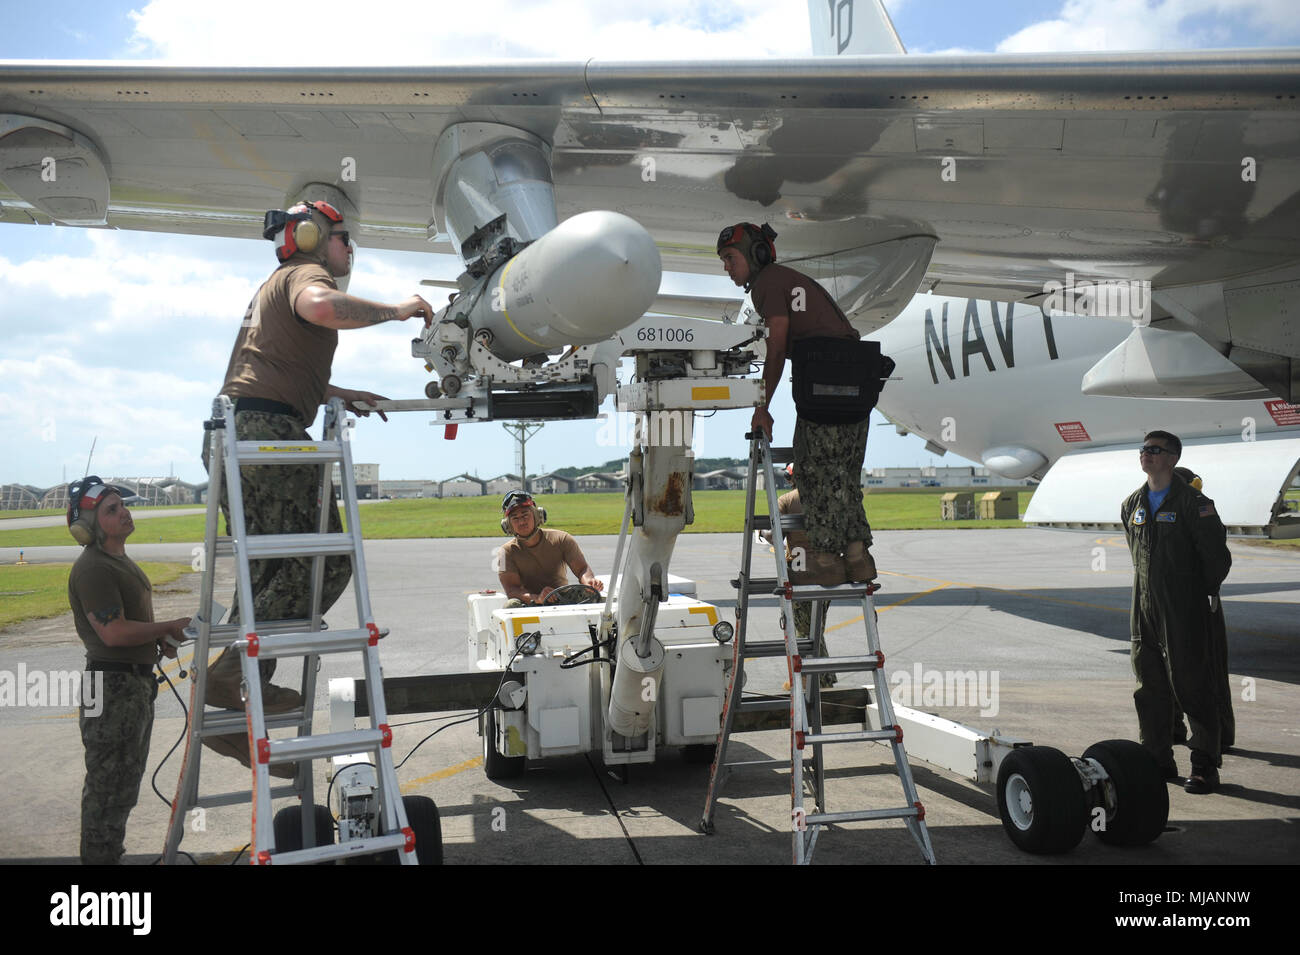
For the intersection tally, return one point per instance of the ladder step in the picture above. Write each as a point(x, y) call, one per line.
point(838, 664)
point(298, 748)
point(771, 586)
point(772, 648)
point(288, 452)
point(262, 546)
point(216, 800)
point(782, 455)
point(341, 850)
point(225, 722)
point(789, 522)
point(860, 736)
point(224, 634)
point(299, 644)
point(826, 818)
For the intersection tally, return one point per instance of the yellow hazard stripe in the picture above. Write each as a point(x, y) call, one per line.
point(519, 623)
point(505, 311)
point(710, 612)
point(301, 447)
point(712, 393)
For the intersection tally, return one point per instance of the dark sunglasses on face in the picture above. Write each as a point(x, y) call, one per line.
point(345, 235)
point(1153, 449)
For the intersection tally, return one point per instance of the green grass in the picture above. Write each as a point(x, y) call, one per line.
point(59, 512)
point(579, 514)
point(32, 591)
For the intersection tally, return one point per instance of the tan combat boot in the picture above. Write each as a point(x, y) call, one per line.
point(861, 567)
point(235, 745)
point(820, 567)
point(225, 678)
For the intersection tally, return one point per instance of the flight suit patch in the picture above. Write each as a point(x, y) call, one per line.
point(1140, 516)
point(1168, 517)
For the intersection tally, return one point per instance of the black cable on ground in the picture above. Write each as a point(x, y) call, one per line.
point(614, 809)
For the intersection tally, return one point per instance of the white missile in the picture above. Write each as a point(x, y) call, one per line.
point(582, 282)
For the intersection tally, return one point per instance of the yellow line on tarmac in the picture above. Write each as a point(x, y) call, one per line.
point(897, 603)
point(442, 774)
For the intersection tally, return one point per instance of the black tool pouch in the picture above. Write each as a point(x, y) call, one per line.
point(837, 380)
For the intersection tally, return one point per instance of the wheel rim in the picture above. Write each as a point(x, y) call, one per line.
point(1020, 802)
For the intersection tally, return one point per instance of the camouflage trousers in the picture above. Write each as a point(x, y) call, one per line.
point(283, 500)
point(117, 749)
point(803, 626)
point(828, 469)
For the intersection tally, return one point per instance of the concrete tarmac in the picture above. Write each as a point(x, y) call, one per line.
point(1041, 615)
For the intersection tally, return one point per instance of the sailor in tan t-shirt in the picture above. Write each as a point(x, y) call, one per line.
point(112, 609)
point(828, 456)
point(533, 564)
point(278, 375)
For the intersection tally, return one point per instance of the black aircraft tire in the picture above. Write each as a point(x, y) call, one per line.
point(422, 817)
point(1041, 800)
point(287, 827)
point(1141, 793)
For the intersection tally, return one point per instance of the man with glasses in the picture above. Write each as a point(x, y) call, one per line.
point(279, 374)
point(1180, 560)
point(532, 565)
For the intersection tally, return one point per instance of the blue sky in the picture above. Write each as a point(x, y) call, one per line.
point(125, 336)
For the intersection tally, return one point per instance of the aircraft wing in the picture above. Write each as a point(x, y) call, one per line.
point(1177, 169)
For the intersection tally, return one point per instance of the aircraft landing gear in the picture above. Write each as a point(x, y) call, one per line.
point(1047, 799)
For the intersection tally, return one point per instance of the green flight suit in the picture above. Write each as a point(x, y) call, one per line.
point(1180, 559)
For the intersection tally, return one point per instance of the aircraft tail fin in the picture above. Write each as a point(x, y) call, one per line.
point(852, 27)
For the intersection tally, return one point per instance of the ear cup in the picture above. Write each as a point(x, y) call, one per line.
point(541, 514)
point(505, 526)
point(306, 235)
point(761, 248)
point(81, 533)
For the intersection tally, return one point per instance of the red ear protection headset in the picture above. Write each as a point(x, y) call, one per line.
point(294, 230)
point(762, 248)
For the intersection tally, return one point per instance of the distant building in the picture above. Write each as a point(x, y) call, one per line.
point(462, 485)
point(366, 477)
point(598, 481)
point(962, 477)
point(406, 490)
point(724, 479)
point(502, 484)
point(18, 497)
point(551, 484)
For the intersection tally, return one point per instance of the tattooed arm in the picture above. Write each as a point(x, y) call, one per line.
point(116, 631)
point(331, 308)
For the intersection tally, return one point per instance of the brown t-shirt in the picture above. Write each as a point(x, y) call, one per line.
point(100, 581)
point(544, 564)
point(788, 503)
point(783, 291)
point(278, 355)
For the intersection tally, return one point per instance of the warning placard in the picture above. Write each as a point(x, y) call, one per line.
point(1284, 414)
point(1072, 431)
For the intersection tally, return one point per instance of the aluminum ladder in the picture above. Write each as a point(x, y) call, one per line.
point(807, 776)
point(285, 638)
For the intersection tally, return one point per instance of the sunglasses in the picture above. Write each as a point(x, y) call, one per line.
point(1153, 449)
point(345, 235)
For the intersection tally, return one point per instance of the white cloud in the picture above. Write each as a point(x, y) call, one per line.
point(1101, 25)
point(413, 32)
